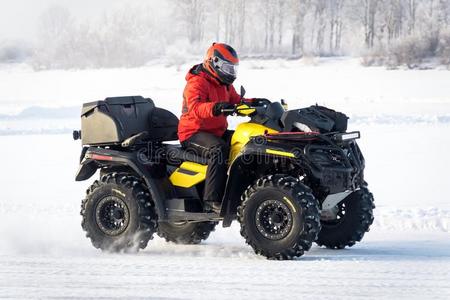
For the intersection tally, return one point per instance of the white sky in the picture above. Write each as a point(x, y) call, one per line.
point(18, 18)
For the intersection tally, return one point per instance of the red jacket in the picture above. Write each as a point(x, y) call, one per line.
point(202, 91)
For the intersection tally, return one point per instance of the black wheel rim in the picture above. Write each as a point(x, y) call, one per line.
point(273, 219)
point(112, 215)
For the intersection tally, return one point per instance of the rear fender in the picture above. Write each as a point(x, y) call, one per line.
point(98, 157)
point(86, 169)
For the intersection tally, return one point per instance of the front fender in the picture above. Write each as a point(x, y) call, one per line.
point(239, 178)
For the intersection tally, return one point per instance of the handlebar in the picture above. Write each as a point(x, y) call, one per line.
point(228, 110)
point(248, 105)
point(236, 109)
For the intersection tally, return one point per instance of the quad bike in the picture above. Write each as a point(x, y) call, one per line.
point(295, 177)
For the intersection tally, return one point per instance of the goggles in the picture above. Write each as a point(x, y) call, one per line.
point(225, 66)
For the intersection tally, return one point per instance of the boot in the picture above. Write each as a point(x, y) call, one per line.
point(214, 206)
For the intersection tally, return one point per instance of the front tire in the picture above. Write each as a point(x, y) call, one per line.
point(118, 214)
point(185, 232)
point(353, 220)
point(279, 217)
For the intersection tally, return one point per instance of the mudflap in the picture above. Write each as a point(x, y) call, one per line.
point(86, 170)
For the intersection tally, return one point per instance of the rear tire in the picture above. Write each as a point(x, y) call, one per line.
point(279, 217)
point(356, 216)
point(118, 214)
point(186, 233)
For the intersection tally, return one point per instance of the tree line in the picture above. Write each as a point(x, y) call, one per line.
point(317, 27)
point(383, 31)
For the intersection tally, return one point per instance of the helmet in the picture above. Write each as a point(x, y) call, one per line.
point(222, 62)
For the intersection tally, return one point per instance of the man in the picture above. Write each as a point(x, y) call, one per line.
point(207, 100)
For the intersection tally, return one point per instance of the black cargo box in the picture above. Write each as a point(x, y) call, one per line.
point(111, 121)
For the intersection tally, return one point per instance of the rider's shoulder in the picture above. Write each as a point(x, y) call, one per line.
point(197, 78)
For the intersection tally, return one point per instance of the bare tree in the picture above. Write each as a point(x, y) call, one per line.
point(56, 30)
point(232, 19)
point(412, 10)
point(444, 13)
point(269, 24)
point(54, 22)
point(336, 23)
point(192, 12)
point(392, 18)
point(319, 25)
point(369, 21)
point(299, 8)
point(241, 23)
point(281, 17)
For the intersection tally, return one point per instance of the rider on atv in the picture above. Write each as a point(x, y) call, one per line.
point(304, 184)
point(207, 98)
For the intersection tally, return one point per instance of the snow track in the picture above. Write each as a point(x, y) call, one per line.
point(404, 121)
point(385, 267)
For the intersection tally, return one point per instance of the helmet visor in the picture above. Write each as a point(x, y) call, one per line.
point(225, 66)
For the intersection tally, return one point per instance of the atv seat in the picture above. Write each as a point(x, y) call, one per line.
point(176, 154)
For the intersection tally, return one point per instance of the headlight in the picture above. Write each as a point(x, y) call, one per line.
point(347, 136)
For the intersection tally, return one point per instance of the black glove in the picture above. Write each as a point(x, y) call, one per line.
point(220, 106)
point(260, 102)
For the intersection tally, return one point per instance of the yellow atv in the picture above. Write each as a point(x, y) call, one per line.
point(295, 177)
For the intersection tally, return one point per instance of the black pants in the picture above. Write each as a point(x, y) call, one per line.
point(216, 149)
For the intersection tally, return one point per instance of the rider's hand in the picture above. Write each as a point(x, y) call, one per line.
point(260, 101)
point(220, 106)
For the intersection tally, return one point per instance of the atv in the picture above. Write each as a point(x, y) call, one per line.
point(295, 177)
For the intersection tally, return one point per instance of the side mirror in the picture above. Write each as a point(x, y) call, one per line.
point(242, 92)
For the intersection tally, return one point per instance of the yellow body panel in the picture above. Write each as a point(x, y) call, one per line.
point(193, 174)
point(242, 135)
point(190, 173)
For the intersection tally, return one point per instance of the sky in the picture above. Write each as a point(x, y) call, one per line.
point(18, 18)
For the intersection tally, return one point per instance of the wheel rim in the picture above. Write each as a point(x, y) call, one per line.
point(273, 219)
point(112, 215)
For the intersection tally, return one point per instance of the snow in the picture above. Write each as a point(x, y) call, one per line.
point(381, 268)
point(404, 119)
point(341, 83)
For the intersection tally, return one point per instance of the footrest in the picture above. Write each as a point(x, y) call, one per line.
point(178, 216)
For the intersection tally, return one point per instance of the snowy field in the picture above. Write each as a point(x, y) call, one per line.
point(404, 118)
